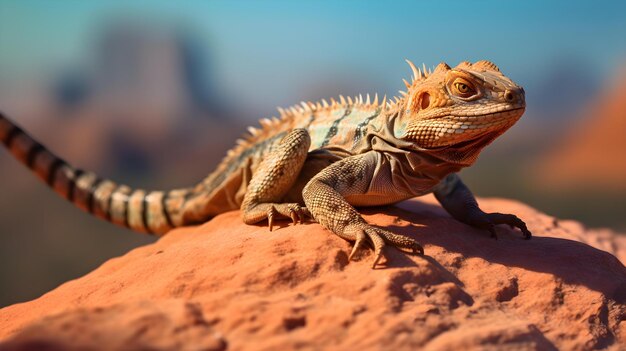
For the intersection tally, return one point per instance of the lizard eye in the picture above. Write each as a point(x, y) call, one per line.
point(463, 88)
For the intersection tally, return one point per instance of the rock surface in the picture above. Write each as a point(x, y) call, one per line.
point(226, 285)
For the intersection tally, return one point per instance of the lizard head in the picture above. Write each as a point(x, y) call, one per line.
point(451, 107)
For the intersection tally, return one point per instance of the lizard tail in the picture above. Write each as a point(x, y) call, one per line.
point(154, 212)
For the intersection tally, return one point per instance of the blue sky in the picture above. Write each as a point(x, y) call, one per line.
point(262, 49)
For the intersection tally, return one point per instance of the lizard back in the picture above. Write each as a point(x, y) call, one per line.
point(339, 126)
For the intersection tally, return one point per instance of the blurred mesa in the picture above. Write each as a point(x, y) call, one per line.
point(591, 154)
point(146, 89)
point(143, 68)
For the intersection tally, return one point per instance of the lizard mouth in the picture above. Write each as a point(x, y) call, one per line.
point(510, 112)
point(484, 122)
point(494, 124)
point(475, 131)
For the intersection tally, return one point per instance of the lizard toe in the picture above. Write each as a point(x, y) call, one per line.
point(298, 213)
point(415, 250)
point(361, 240)
point(365, 235)
point(512, 220)
point(271, 212)
point(305, 214)
point(378, 242)
point(378, 239)
point(401, 242)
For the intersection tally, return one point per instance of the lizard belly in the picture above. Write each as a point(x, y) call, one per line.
point(393, 181)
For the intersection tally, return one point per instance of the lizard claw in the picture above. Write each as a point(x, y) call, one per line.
point(303, 213)
point(512, 220)
point(294, 217)
point(378, 251)
point(361, 239)
point(272, 211)
point(378, 238)
point(416, 250)
point(488, 221)
point(369, 235)
point(270, 217)
point(298, 213)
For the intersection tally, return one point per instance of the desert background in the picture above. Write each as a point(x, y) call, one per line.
point(152, 94)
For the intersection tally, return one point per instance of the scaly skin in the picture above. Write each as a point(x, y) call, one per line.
point(321, 160)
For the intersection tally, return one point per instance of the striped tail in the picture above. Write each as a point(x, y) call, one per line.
point(154, 212)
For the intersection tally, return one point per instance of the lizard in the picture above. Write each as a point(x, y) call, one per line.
point(320, 161)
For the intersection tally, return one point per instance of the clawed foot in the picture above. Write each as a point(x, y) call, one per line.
point(490, 220)
point(377, 238)
point(271, 211)
point(297, 213)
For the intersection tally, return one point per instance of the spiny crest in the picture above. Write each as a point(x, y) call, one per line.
point(322, 105)
point(464, 64)
point(269, 126)
point(423, 73)
point(484, 64)
point(442, 67)
point(418, 74)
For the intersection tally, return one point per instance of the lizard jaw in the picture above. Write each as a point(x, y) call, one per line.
point(449, 131)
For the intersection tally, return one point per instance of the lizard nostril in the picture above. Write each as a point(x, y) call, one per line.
point(509, 96)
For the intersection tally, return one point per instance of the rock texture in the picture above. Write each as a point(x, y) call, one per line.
point(225, 285)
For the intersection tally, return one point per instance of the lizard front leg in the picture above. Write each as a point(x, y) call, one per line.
point(325, 197)
point(271, 181)
point(459, 201)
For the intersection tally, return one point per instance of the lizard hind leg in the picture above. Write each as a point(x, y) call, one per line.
point(275, 175)
point(326, 197)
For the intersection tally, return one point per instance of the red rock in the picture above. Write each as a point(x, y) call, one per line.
point(228, 285)
point(137, 325)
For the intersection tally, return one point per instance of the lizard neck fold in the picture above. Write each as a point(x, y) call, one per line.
point(384, 137)
point(459, 155)
point(421, 168)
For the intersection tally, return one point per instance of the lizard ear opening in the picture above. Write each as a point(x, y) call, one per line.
point(425, 101)
point(422, 101)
